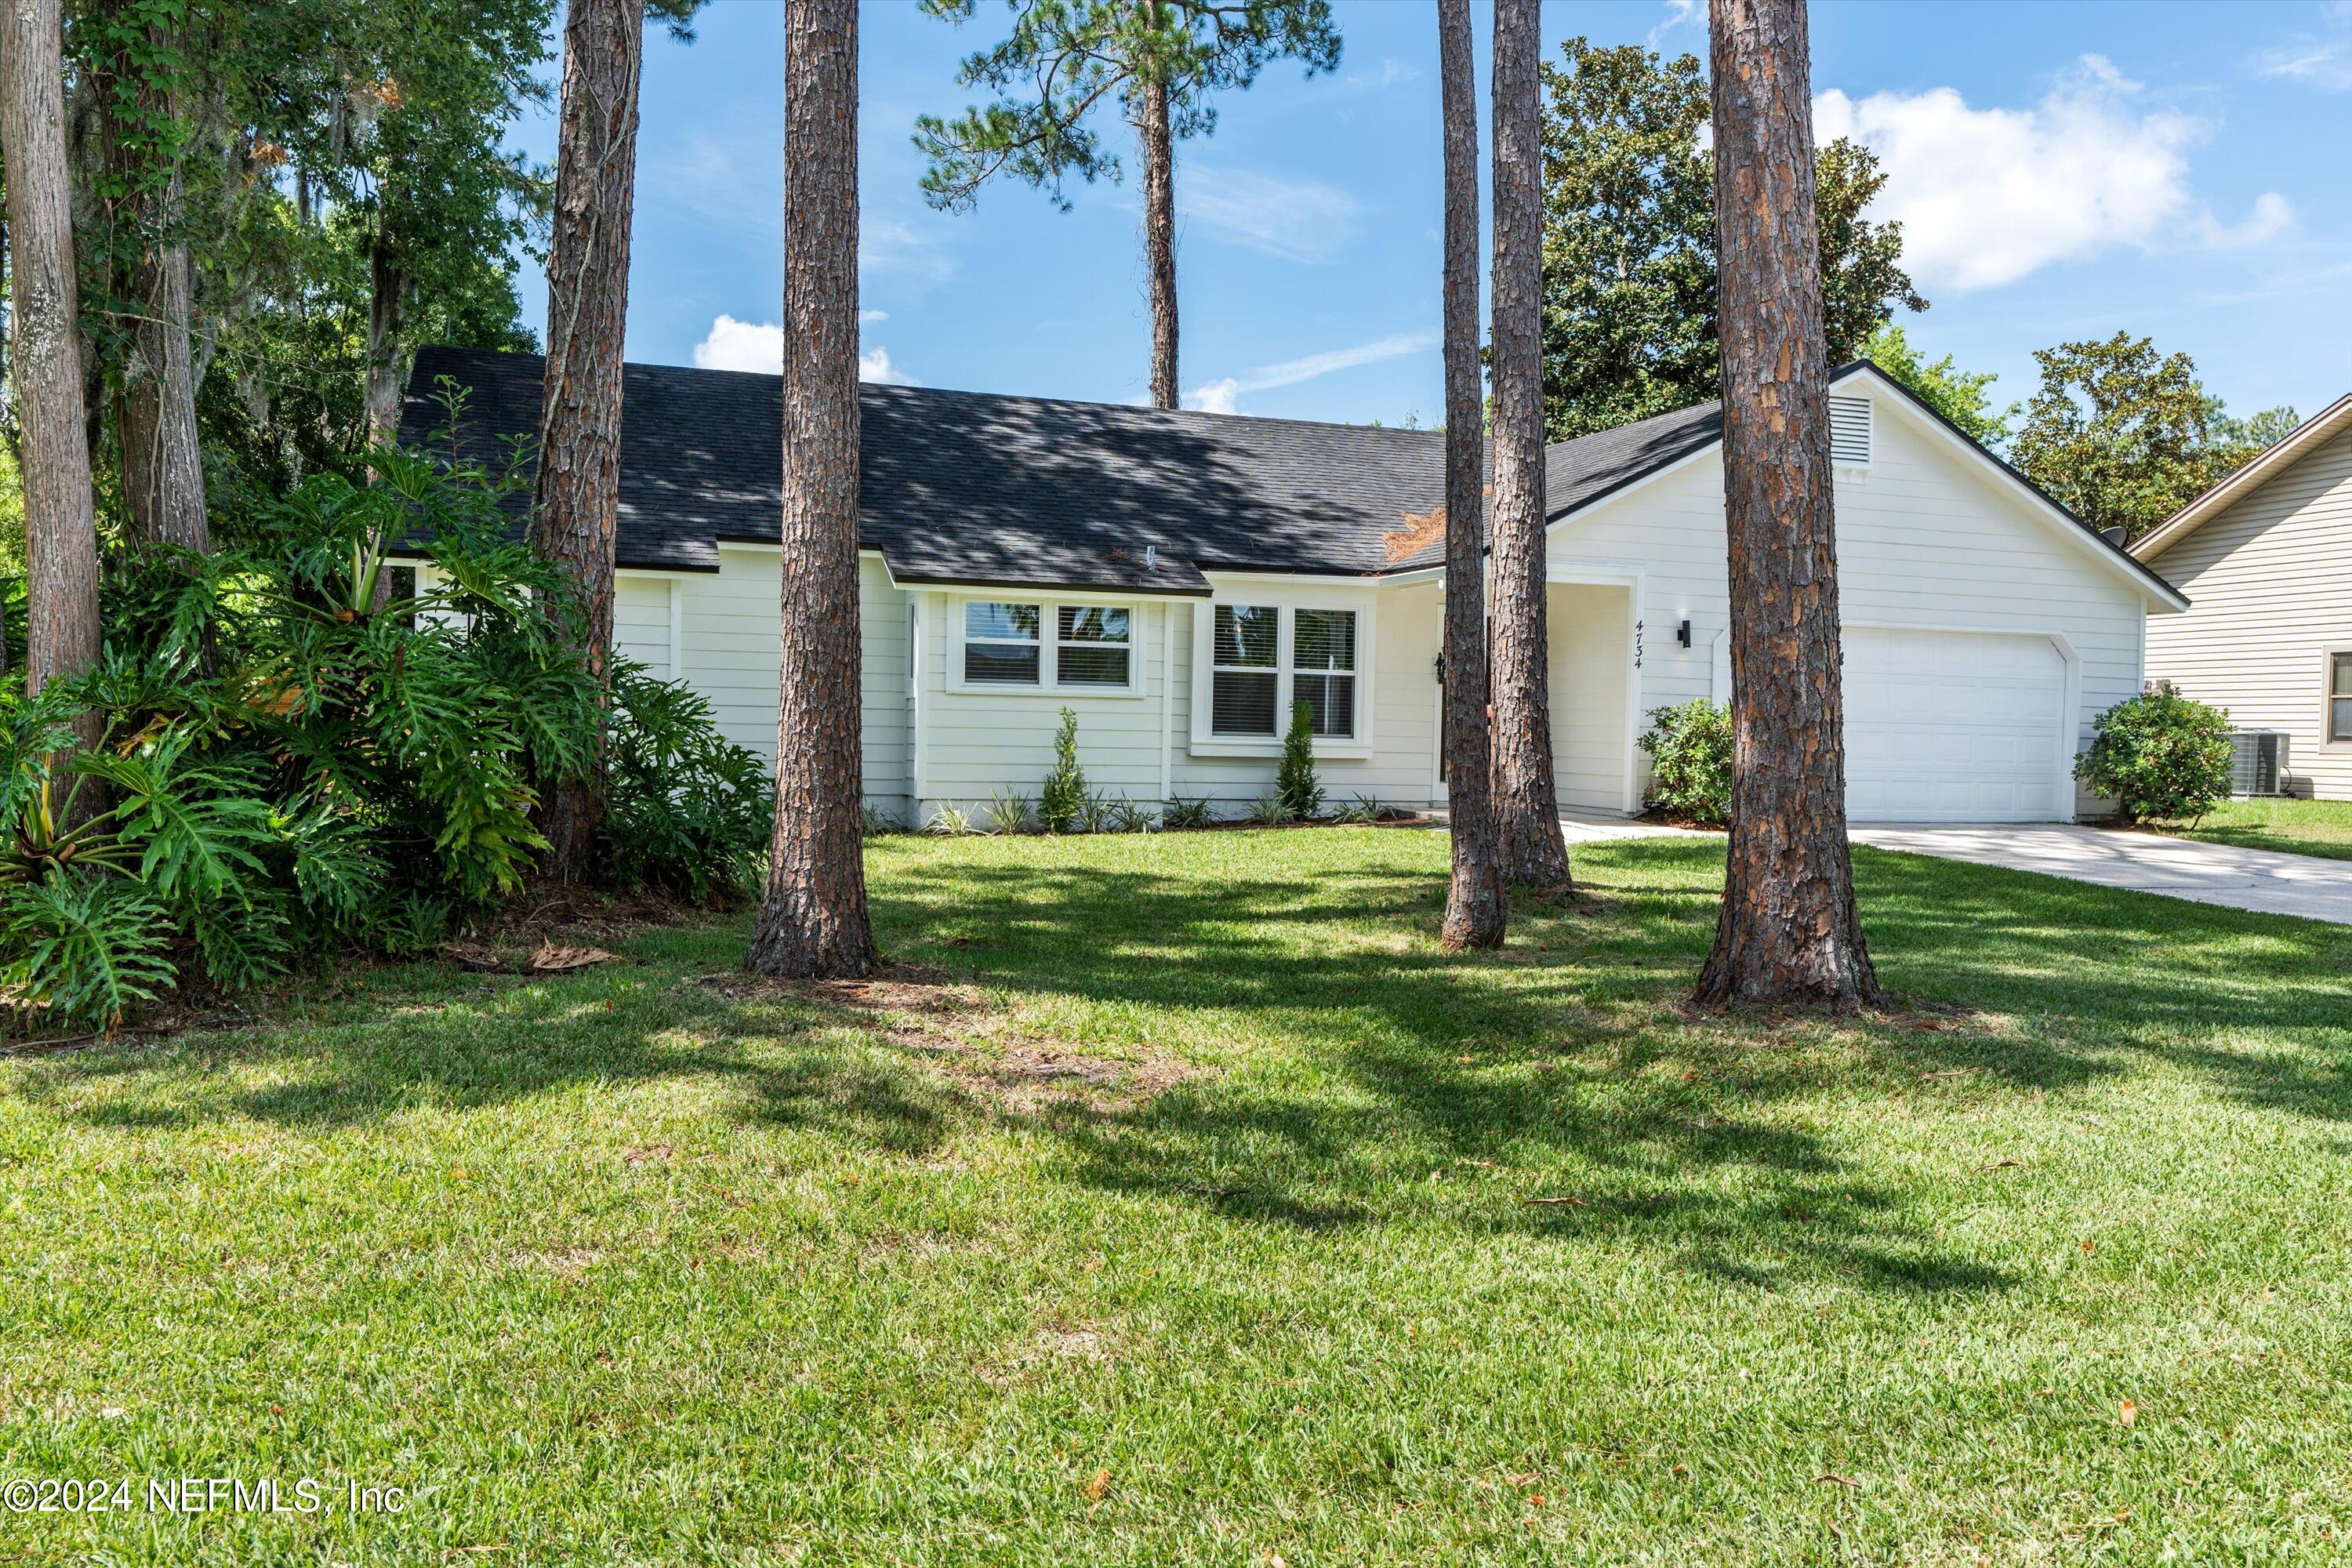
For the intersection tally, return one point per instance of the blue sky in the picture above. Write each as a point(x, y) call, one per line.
point(2064, 171)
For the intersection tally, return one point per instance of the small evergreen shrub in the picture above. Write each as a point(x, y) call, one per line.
point(1690, 762)
point(2161, 756)
point(1295, 782)
point(1063, 803)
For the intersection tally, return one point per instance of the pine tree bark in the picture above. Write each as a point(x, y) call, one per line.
point(579, 483)
point(1474, 908)
point(1159, 234)
point(1528, 843)
point(60, 527)
point(1789, 932)
point(812, 919)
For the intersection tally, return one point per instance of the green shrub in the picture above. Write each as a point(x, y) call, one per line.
point(2159, 756)
point(1008, 811)
point(1690, 762)
point(1180, 814)
point(1065, 800)
point(688, 810)
point(1295, 781)
point(1271, 811)
point(949, 820)
point(284, 769)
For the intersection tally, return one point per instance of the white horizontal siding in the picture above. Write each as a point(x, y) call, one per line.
point(641, 620)
point(2270, 588)
point(1927, 537)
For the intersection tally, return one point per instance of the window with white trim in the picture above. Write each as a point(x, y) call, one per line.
point(1266, 658)
point(1246, 675)
point(1000, 643)
point(1093, 645)
point(2339, 697)
point(1323, 662)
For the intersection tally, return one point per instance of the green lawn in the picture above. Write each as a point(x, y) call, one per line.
point(1194, 1225)
point(2301, 827)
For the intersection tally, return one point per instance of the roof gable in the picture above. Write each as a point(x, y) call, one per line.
point(2251, 476)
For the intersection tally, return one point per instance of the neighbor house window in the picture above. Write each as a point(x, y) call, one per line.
point(1092, 646)
point(2339, 697)
point(1323, 667)
point(1000, 643)
point(1246, 671)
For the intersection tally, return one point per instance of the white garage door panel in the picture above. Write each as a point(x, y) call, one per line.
point(1952, 727)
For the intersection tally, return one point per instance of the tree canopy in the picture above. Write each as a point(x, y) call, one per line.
point(1964, 397)
point(1630, 240)
point(1061, 58)
point(2124, 436)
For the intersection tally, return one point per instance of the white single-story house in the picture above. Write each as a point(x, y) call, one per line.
point(2268, 554)
point(1178, 579)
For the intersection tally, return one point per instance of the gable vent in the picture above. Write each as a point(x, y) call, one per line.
point(1849, 432)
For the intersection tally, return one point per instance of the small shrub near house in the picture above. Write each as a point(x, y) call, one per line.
point(1065, 800)
point(1690, 762)
point(2159, 756)
point(1295, 781)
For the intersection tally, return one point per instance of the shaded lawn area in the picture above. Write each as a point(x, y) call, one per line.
point(2322, 827)
point(615, 1268)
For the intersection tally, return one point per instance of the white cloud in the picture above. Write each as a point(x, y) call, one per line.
point(2323, 60)
point(1679, 13)
point(760, 346)
point(741, 345)
point(1220, 397)
point(1392, 73)
point(874, 365)
point(1989, 195)
point(1295, 220)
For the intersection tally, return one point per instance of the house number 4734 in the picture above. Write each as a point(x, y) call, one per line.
point(1637, 645)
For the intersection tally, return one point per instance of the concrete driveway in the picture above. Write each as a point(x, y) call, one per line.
point(2261, 879)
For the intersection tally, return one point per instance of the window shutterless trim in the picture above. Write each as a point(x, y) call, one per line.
point(1048, 607)
point(1206, 742)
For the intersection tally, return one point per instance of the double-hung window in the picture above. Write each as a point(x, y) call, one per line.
point(1246, 677)
point(1323, 664)
point(2339, 696)
point(1000, 643)
point(1093, 645)
point(1265, 659)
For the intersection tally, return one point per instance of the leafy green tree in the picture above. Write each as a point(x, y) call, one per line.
point(1161, 60)
point(1630, 243)
point(1964, 397)
point(2123, 437)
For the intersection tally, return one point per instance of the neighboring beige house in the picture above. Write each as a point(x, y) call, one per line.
point(2265, 557)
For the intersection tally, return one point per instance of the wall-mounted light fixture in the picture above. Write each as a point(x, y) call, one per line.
point(1682, 633)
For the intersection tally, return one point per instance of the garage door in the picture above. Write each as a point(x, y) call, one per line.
point(1953, 727)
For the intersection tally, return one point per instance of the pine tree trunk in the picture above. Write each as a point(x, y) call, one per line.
point(1474, 908)
point(579, 496)
point(1788, 931)
point(60, 528)
point(1528, 843)
point(1159, 236)
point(812, 920)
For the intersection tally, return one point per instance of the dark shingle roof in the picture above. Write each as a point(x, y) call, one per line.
point(971, 486)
